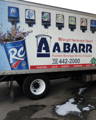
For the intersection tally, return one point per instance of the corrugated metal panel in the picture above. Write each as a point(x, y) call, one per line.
point(51, 7)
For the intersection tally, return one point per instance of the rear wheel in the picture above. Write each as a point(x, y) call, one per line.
point(36, 88)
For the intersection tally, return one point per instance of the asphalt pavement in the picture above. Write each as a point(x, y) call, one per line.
point(61, 90)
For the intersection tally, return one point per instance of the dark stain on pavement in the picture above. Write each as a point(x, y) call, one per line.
point(25, 113)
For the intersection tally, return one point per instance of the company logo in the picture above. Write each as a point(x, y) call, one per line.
point(30, 14)
point(13, 12)
point(16, 56)
point(93, 60)
point(43, 45)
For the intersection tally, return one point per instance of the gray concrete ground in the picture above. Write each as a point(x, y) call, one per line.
point(24, 109)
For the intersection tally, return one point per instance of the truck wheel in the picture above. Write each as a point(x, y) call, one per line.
point(35, 88)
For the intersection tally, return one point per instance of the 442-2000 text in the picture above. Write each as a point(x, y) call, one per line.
point(66, 61)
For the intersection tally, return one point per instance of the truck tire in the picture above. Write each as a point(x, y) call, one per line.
point(35, 87)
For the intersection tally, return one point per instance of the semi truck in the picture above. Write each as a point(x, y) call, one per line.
point(39, 43)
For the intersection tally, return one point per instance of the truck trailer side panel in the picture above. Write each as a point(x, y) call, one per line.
point(60, 40)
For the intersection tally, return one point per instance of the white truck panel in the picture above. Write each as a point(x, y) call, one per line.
point(47, 49)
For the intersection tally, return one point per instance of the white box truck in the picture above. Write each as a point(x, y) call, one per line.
point(39, 43)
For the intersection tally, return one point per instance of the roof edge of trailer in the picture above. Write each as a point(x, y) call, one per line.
point(52, 7)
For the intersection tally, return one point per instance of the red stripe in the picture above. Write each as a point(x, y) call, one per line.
point(60, 66)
